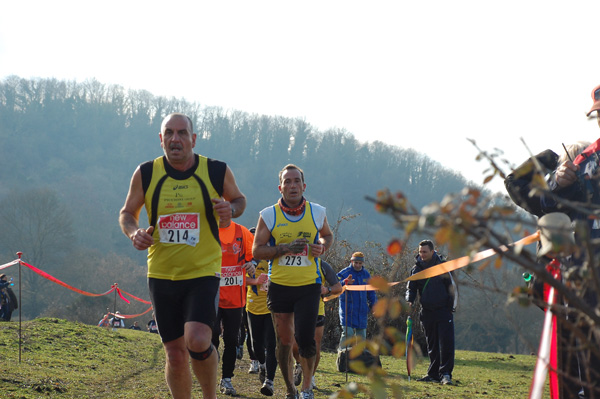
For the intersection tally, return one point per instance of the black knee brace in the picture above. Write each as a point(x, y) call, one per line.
point(308, 351)
point(202, 355)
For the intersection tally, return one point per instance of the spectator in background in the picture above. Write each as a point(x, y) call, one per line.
point(8, 299)
point(438, 303)
point(104, 322)
point(576, 180)
point(354, 306)
point(521, 185)
point(151, 326)
point(135, 326)
point(117, 321)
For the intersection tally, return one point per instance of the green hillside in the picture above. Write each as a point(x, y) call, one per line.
point(61, 359)
point(79, 143)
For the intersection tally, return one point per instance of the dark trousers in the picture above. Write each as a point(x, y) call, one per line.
point(245, 335)
point(440, 345)
point(263, 338)
point(231, 319)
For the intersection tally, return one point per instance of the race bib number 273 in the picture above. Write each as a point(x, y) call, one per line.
point(179, 228)
point(300, 259)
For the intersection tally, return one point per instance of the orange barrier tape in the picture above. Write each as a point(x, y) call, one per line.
point(364, 287)
point(131, 316)
point(442, 267)
point(334, 296)
point(465, 260)
point(367, 287)
point(135, 297)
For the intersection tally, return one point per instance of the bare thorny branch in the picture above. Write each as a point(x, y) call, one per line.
point(472, 221)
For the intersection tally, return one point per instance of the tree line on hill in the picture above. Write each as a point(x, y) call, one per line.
point(70, 148)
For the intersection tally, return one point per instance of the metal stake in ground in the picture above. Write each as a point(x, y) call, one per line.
point(346, 334)
point(115, 302)
point(21, 305)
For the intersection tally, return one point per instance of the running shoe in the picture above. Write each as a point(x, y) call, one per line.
point(227, 387)
point(267, 388)
point(446, 379)
point(308, 394)
point(253, 367)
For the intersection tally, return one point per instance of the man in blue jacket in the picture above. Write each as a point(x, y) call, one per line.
point(438, 302)
point(355, 305)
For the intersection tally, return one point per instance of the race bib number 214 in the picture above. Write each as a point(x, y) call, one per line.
point(179, 228)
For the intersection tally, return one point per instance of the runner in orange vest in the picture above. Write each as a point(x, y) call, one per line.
point(236, 247)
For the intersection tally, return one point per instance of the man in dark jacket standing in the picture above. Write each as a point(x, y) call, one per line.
point(355, 305)
point(438, 302)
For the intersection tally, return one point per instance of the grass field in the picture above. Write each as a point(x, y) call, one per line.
point(61, 359)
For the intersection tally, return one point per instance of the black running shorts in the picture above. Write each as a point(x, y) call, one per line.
point(320, 320)
point(303, 301)
point(177, 302)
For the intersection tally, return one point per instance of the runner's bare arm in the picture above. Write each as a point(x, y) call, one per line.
point(130, 213)
point(233, 203)
point(325, 240)
point(261, 249)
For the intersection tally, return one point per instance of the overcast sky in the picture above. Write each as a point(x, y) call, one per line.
point(416, 74)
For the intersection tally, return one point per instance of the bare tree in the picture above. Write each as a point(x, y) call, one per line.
point(38, 224)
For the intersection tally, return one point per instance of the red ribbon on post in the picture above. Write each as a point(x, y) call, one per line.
point(547, 361)
point(57, 281)
point(121, 295)
point(49, 277)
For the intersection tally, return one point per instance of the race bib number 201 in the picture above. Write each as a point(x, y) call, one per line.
point(179, 228)
point(232, 275)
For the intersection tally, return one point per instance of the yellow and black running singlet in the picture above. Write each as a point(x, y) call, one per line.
point(186, 234)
